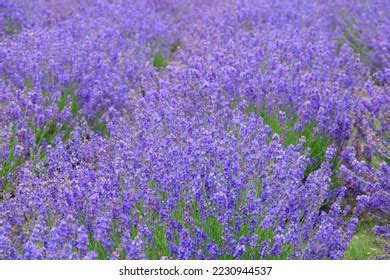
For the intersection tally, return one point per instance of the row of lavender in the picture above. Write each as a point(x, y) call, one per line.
point(192, 129)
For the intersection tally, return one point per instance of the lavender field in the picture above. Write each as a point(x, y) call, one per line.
point(189, 129)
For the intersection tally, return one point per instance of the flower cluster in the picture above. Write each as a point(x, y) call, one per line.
point(216, 129)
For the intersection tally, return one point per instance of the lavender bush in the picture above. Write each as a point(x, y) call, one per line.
point(193, 129)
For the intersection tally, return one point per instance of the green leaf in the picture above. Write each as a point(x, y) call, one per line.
point(214, 230)
point(160, 240)
point(75, 106)
point(159, 62)
point(63, 100)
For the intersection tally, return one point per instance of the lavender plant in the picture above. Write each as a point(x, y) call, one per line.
point(192, 129)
